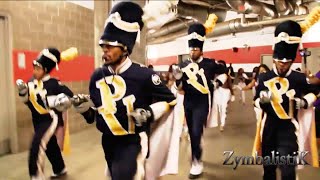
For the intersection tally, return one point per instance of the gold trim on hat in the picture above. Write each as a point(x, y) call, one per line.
point(116, 20)
point(283, 36)
point(35, 63)
point(197, 36)
point(49, 55)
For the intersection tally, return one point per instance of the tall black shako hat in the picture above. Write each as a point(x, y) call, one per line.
point(196, 35)
point(123, 26)
point(48, 59)
point(287, 40)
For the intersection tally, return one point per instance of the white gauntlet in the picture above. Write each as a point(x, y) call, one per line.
point(265, 97)
point(233, 98)
point(22, 87)
point(82, 102)
point(177, 72)
point(301, 103)
point(140, 116)
point(61, 102)
point(215, 84)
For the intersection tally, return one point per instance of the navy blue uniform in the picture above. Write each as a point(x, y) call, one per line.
point(196, 83)
point(115, 95)
point(281, 117)
point(45, 122)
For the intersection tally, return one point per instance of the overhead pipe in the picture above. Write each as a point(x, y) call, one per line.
point(301, 9)
point(305, 6)
point(235, 25)
point(283, 7)
point(253, 6)
point(168, 37)
point(218, 4)
point(222, 28)
point(287, 7)
point(183, 10)
point(229, 27)
point(170, 28)
point(186, 10)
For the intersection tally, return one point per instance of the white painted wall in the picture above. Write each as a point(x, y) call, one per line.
point(86, 4)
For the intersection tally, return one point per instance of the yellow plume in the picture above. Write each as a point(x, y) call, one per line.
point(311, 19)
point(210, 23)
point(69, 54)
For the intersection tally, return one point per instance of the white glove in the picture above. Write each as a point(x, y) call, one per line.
point(265, 97)
point(239, 87)
point(62, 102)
point(233, 98)
point(215, 84)
point(82, 102)
point(78, 99)
point(177, 72)
point(300, 103)
point(140, 115)
point(22, 87)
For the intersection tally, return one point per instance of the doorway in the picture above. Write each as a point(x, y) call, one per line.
point(267, 59)
point(8, 130)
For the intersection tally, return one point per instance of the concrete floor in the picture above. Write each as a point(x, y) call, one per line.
point(86, 161)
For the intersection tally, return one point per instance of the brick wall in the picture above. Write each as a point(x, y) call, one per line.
point(60, 24)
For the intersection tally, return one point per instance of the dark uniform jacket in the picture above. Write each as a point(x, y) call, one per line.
point(115, 94)
point(36, 99)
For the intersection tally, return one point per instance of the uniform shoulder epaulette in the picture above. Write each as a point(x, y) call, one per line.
point(212, 59)
point(54, 78)
point(141, 65)
point(293, 70)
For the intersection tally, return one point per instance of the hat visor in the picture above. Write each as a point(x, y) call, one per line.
point(284, 60)
point(194, 48)
point(112, 43)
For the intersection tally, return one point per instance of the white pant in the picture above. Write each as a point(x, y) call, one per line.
point(243, 95)
point(221, 96)
point(258, 113)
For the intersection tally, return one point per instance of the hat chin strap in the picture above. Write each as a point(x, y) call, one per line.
point(275, 70)
point(118, 61)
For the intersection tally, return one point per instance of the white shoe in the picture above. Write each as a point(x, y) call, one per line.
point(214, 125)
point(38, 177)
point(221, 128)
point(202, 142)
point(107, 171)
point(196, 169)
point(60, 174)
point(185, 129)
